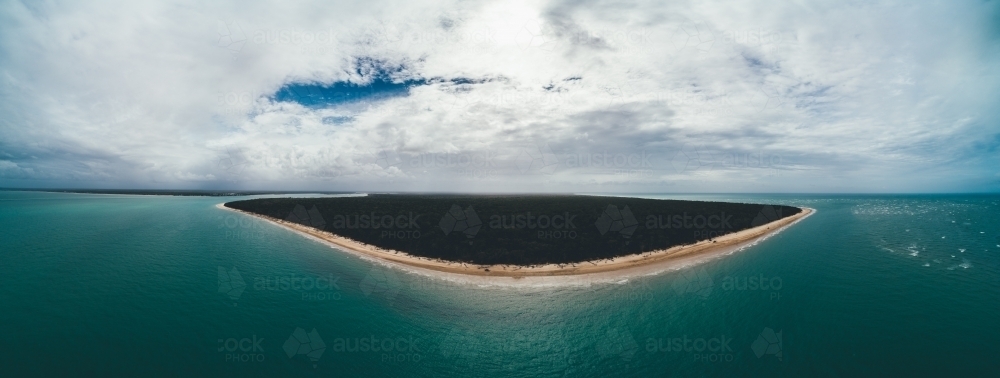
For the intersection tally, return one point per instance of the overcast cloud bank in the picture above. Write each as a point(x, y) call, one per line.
point(588, 96)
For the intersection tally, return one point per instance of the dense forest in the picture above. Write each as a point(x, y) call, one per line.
point(517, 229)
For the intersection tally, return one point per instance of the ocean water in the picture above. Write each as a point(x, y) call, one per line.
point(110, 285)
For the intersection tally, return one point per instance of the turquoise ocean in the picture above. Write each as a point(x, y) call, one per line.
point(117, 285)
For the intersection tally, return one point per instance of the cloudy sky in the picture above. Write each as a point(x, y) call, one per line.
point(577, 96)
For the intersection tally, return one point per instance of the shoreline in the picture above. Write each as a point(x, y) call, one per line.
point(667, 259)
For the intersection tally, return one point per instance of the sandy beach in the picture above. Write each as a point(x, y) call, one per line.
point(666, 259)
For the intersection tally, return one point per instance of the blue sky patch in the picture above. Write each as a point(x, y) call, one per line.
point(314, 95)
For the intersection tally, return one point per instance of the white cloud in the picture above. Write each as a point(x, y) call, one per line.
point(829, 97)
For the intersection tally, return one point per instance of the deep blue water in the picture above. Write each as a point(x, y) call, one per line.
point(105, 285)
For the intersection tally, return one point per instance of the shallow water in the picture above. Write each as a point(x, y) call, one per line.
point(130, 285)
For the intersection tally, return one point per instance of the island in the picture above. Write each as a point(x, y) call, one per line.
point(522, 235)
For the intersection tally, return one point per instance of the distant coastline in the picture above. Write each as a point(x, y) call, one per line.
point(171, 193)
point(678, 255)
